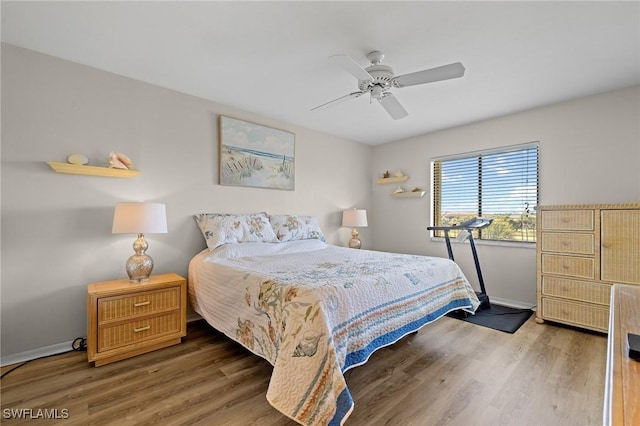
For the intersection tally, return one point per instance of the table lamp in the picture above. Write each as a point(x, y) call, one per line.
point(353, 218)
point(139, 218)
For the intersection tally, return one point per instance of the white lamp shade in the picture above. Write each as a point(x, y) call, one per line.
point(353, 218)
point(139, 218)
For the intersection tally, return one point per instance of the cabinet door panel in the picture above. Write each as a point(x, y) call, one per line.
point(620, 252)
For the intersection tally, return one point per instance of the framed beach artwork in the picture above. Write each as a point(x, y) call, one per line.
point(255, 155)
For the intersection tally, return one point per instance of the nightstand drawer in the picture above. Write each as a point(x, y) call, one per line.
point(579, 267)
point(578, 290)
point(576, 220)
point(118, 335)
point(582, 315)
point(568, 243)
point(135, 304)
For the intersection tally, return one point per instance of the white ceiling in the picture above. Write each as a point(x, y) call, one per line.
point(270, 58)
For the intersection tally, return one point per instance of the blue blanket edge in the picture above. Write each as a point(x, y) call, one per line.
point(344, 403)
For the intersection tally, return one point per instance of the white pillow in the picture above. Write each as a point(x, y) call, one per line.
point(219, 229)
point(295, 227)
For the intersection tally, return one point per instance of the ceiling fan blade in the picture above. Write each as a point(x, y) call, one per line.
point(444, 72)
point(339, 100)
point(393, 107)
point(347, 63)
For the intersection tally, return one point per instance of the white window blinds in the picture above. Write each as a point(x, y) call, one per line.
point(500, 184)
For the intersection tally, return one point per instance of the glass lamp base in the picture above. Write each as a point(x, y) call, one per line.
point(355, 242)
point(139, 267)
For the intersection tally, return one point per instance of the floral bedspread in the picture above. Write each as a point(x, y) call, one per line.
point(314, 311)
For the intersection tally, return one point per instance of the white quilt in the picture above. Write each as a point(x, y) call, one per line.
point(314, 310)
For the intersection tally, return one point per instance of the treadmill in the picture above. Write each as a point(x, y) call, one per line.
point(466, 229)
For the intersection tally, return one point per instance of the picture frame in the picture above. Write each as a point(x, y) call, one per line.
point(253, 155)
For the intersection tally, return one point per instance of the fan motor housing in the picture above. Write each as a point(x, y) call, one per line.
point(382, 76)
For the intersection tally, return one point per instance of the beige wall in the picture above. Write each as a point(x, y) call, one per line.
point(56, 229)
point(589, 153)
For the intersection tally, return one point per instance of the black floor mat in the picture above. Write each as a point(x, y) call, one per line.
point(497, 317)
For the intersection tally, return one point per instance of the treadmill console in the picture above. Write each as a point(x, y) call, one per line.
point(476, 223)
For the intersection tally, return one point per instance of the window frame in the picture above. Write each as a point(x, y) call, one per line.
point(436, 193)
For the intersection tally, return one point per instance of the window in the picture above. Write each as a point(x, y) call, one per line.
point(500, 184)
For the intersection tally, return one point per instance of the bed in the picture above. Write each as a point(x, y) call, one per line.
point(314, 310)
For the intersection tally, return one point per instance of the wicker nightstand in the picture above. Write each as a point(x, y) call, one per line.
point(128, 319)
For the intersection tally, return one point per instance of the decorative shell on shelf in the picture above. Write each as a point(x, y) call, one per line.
point(399, 190)
point(398, 173)
point(386, 174)
point(416, 189)
point(77, 159)
point(118, 160)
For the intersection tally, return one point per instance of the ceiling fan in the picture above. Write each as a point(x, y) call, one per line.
point(377, 80)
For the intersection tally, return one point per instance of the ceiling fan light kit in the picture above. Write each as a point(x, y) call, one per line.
point(377, 80)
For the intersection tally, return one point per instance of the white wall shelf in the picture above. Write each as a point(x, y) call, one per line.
point(394, 179)
point(412, 194)
point(77, 169)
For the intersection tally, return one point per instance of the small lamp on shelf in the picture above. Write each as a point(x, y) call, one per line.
point(353, 218)
point(139, 218)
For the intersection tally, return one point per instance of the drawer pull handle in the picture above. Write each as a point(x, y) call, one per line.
point(138, 330)
point(137, 305)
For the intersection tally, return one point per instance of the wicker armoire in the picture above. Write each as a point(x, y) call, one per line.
point(582, 250)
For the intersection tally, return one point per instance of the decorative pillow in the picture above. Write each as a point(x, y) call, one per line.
point(219, 229)
point(294, 227)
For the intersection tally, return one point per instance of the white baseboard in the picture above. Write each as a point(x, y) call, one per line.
point(510, 303)
point(56, 349)
point(59, 348)
point(32, 354)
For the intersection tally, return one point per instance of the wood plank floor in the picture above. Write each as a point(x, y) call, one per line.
point(449, 373)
